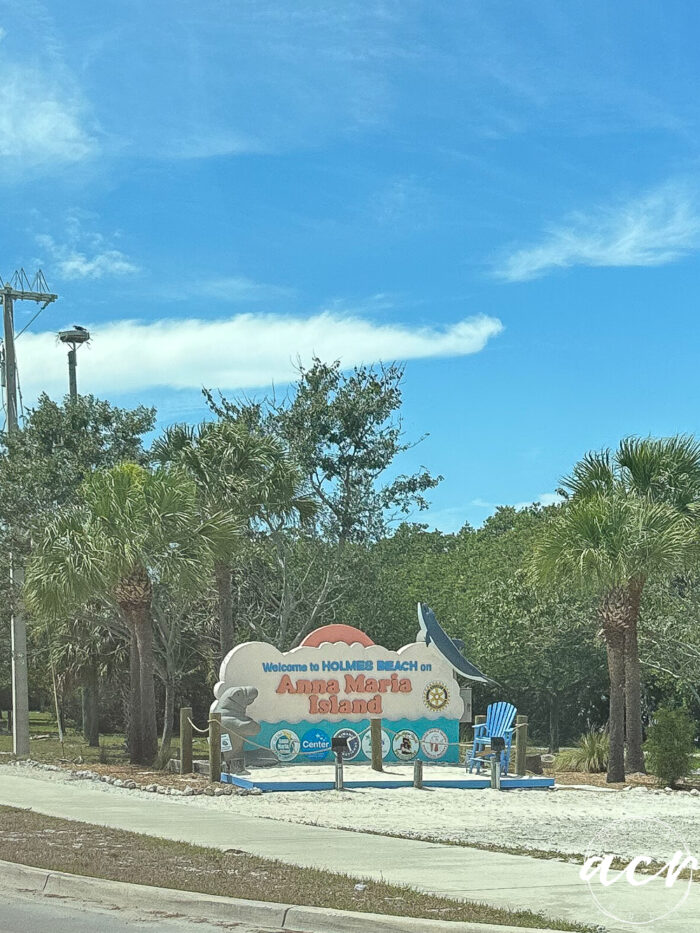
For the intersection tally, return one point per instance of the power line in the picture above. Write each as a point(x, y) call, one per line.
point(21, 400)
point(26, 326)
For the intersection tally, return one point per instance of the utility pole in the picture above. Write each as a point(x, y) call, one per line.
point(18, 288)
point(8, 318)
point(73, 338)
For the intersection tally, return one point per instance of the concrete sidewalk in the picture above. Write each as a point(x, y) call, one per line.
point(512, 881)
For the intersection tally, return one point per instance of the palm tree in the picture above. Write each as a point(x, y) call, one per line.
point(245, 470)
point(663, 470)
point(82, 647)
point(604, 543)
point(131, 528)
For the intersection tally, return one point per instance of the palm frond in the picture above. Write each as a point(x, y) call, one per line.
point(592, 475)
point(605, 541)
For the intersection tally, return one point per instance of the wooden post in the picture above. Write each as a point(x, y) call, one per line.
point(520, 744)
point(478, 719)
point(375, 726)
point(185, 740)
point(215, 748)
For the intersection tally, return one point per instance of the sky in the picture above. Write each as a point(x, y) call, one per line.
point(504, 194)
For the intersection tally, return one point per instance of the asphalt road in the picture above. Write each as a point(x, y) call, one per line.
point(21, 913)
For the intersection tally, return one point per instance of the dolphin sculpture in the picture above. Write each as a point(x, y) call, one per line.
point(450, 648)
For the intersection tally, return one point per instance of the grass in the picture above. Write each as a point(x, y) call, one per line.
point(83, 849)
point(590, 754)
point(45, 746)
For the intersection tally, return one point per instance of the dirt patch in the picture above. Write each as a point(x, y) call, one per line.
point(599, 780)
point(141, 775)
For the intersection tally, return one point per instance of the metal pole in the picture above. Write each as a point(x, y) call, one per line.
point(496, 771)
point(72, 377)
point(20, 687)
point(418, 773)
point(339, 772)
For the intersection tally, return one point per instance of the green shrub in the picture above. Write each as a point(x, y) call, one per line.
point(590, 755)
point(669, 745)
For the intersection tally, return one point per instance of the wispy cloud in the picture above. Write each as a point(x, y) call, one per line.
point(42, 123)
point(238, 288)
point(255, 77)
point(226, 289)
point(84, 253)
point(452, 518)
point(204, 144)
point(245, 351)
point(44, 118)
point(404, 200)
point(544, 499)
point(659, 227)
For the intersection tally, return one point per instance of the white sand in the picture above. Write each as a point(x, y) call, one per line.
point(393, 772)
point(561, 820)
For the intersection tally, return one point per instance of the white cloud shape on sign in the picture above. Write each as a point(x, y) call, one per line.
point(244, 667)
point(244, 351)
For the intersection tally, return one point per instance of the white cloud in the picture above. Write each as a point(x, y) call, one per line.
point(42, 121)
point(245, 351)
point(239, 288)
point(201, 143)
point(85, 254)
point(549, 498)
point(73, 264)
point(661, 226)
point(227, 289)
point(544, 499)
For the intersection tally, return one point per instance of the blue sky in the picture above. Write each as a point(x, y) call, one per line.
point(504, 194)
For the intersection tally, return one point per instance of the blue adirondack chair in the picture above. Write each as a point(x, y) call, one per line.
point(499, 724)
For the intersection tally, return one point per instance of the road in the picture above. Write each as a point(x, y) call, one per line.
point(20, 914)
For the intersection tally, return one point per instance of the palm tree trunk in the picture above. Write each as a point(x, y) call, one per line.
point(616, 724)
point(57, 707)
point(553, 723)
point(223, 575)
point(633, 685)
point(134, 729)
point(149, 729)
point(168, 715)
point(614, 612)
point(91, 709)
point(134, 594)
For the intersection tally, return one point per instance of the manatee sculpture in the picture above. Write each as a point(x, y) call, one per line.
point(232, 705)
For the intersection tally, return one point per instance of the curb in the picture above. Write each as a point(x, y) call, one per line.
point(211, 907)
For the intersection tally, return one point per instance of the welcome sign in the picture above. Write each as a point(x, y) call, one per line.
point(334, 683)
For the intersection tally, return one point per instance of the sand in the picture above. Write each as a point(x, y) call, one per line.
point(563, 820)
